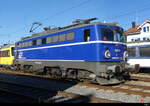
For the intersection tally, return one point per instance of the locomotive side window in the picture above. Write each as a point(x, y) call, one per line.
point(49, 40)
point(6, 53)
point(55, 39)
point(17, 45)
point(62, 38)
point(144, 51)
point(70, 36)
point(34, 43)
point(0, 54)
point(132, 52)
point(44, 41)
point(30, 43)
point(26, 44)
point(39, 42)
point(22, 44)
point(86, 35)
point(107, 34)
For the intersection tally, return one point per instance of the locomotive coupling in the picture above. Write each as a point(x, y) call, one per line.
point(114, 69)
point(132, 68)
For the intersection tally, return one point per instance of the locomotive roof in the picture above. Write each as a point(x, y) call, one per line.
point(61, 29)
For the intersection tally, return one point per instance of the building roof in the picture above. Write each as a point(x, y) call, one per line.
point(146, 21)
point(134, 30)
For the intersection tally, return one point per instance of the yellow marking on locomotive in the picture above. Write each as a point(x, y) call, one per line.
point(6, 55)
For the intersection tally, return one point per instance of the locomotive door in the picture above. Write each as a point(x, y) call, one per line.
point(87, 35)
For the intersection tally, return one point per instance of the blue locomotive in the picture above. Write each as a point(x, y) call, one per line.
point(83, 50)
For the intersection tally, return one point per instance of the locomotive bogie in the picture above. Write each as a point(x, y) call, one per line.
point(107, 72)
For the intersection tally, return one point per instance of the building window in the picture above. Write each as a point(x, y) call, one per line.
point(147, 29)
point(144, 39)
point(144, 29)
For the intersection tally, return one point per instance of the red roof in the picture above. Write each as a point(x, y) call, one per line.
point(132, 30)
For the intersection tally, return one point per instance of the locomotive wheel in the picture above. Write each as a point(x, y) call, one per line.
point(72, 73)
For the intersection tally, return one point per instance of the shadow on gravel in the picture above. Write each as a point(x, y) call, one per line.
point(51, 85)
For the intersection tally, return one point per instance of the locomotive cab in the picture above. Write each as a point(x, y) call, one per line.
point(114, 56)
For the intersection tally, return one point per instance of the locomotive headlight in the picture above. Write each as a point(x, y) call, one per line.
point(107, 54)
point(125, 56)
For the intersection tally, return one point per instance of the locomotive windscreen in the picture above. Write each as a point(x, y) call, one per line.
point(112, 35)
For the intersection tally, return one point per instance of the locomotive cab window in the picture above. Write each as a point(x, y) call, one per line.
point(107, 34)
point(112, 35)
point(87, 35)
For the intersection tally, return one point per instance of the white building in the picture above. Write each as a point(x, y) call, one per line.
point(139, 33)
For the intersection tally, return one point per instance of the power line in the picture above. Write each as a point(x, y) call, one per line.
point(68, 9)
point(81, 4)
point(58, 13)
point(131, 12)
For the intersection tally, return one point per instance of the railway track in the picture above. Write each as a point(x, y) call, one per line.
point(123, 88)
point(141, 77)
point(38, 95)
point(135, 77)
point(127, 88)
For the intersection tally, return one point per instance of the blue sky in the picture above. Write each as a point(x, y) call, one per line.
point(17, 16)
